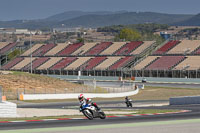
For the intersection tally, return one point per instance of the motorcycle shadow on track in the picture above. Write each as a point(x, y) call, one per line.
point(91, 112)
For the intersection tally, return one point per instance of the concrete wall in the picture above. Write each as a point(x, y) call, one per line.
point(170, 80)
point(75, 95)
point(8, 109)
point(184, 100)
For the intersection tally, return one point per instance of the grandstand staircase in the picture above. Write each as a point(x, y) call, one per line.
point(197, 49)
point(42, 63)
point(90, 49)
point(82, 67)
point(114, 63)
point(61, 61)
point(33, 62)
point(28, 65)
point(99, 63)
point(31, 51)
point(120, 49)
point(173, 47)
point(105, 48)
point(151, 62)
point(71, 62)
point(54, 64)
point(141, 56)
point(126, 61)
point(72, 51)
point(49, 49)
point(87, 53)
point(9, 65)
point(136, 47)
point(170, 48)
point(177, 63)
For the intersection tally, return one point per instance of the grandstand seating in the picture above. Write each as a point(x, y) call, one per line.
point(49, 63)
point(44, 49)
point(165, 63)
point(92, 63)
point(108, 62)
point(12, 63)
point(56, 49)
point(185, 47)
point(77, 63)
point(145, 62)
point(22, 63)
point(166, 47)
point(197, 51)
point(142, 47)
point(113, 48)
point(84, 48)
point(121, 63)
point(37, 62)
point(7, 48)
point(63, 63)
point(97, 49)
point(190, 63)
point(3, 44)
point(69, 49)
point(33, 49)
point(128, 48)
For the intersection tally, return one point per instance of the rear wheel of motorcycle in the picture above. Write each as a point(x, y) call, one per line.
point(88, 114)
point(102, 115)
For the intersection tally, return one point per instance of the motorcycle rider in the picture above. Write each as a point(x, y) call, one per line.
point(127, 100)
point(84, 101)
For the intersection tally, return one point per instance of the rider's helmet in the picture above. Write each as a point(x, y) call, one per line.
point(126, 97)
point(89, 100)
point(81, 97)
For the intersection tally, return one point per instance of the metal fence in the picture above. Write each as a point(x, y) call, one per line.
point(91, 86)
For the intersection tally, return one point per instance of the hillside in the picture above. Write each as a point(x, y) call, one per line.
point(194, 21)
point(97, 19)
point(124, 19)
point(73, 14)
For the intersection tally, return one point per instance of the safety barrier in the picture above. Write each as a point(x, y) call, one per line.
point(184, 100)
point(75, 95)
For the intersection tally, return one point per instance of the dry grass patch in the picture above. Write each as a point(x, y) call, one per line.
point(164, 93)
point(20, 82)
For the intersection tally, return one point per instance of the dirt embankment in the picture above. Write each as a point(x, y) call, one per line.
point(17, 83)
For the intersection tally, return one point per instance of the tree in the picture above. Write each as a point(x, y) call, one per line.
point(129, 35)
point(80, 40)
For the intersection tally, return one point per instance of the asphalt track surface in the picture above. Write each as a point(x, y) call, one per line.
point(194, 114)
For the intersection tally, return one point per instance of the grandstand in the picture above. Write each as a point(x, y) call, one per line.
point(5, 49)
point(175, 58)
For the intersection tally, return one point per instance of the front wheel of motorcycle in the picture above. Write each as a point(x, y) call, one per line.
point(88, 114)
point(102, 115)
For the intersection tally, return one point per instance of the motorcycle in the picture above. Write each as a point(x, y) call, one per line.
point(128, 103)
point(91, 112)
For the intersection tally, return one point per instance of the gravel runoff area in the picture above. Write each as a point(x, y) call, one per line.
point(35, 112)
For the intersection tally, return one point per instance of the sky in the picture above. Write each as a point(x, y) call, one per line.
point(37, 9)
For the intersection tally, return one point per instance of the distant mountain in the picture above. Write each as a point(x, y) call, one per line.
point(97, 19)
point(193, 21)
point(124, 18)
point(73, 14)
